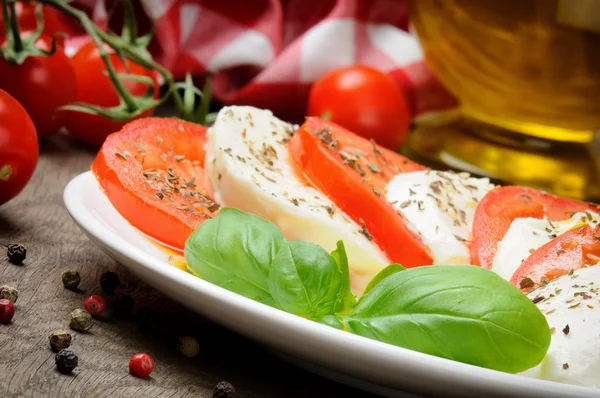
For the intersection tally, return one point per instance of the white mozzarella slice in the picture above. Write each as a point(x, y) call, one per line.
point(439, 207)
point(250, 168)
point(526, 235)
point(571, 304)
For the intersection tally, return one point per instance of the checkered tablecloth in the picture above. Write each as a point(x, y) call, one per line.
point(267, 53)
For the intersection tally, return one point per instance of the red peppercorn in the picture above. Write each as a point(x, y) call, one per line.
point(141, 365)
point(7, 311)
point(94, 305)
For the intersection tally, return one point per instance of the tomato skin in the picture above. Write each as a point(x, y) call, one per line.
point(359, 194)
point(54, 21)
point(93, 87)
point(570, 251)
point(130, 159)
point(365, 101)
point(41, 85)
point(18, 146)
point(502, 205)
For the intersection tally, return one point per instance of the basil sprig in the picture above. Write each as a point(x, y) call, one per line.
point(464, 313)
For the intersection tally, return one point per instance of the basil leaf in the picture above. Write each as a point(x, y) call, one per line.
point(330, 320)
point(305, 280)
point(346, 299)
point(235, 250)
point(464, 313)
point(384, 273)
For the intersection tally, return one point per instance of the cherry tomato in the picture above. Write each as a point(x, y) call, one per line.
point(41, 85)
point(18, 147)
point(501, 206)
point(141, 365)
point(94, 87)
point(570, 251)
point(354, 172)
point(363, 100)
point(152, 172)
point(54, 20)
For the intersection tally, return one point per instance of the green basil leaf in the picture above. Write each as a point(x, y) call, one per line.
point(346, 300)
point(330, 320)
point(305, 280)
point(235, 250)
point(464, 313)
point(384, 273)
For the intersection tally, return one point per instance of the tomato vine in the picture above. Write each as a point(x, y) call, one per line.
point(127, 45)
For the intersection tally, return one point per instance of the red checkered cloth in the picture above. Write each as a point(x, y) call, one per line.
point(267, 53)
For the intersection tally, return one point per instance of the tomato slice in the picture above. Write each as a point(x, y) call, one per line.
point(353, 172)
point(501, 206)
point(572, 250)
point(152, 172)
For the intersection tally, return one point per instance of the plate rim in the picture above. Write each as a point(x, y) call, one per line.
point(513, 383)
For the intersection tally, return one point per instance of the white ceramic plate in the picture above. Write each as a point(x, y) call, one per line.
point(363, 363)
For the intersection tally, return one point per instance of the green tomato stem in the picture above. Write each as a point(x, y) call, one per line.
point(93, 31)
point(16, 34)
point(130, 30)
point(131, 48)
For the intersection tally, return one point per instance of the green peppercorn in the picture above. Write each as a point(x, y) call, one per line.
point(71, 279)
point(188, 346)
point(16, 253)
point(66, 361)
point(109, 282)
point(9, 293)
point(81, 320)
point(59, 340)
point(224, 390)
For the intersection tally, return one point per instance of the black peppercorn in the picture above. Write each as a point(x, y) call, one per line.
point(122, 305)
point(66, 361)
point(70, 279)
point(223, 390)
point(16, 253)
point(109, 282)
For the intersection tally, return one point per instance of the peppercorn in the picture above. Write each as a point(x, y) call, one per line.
point(223, 390)
point(59, 340)
point(66, 361)
point(109, 282)
point(71, 279)
point(94, 305)
point(188, 346)
point(122, 305)
point(16, 253)
point(7, 311)
point(9, 293)
point(141, 365)
point(81, 320)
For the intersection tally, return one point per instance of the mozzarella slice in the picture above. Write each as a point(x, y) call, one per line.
point(250, 168)
point(571, 304)
point(526, 235)
point(439, 206)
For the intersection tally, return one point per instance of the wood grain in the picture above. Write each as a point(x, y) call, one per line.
point(38, 219)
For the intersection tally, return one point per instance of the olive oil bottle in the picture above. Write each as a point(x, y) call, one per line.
point(527, 76)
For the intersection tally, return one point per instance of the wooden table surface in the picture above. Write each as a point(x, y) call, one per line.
point(38, 219)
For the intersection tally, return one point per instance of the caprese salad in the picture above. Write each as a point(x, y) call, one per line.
point(261, 207)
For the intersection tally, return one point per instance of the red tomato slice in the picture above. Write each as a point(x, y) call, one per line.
point(570, 251)
point(353, 172)
point(152, 172)
point(501, 206)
